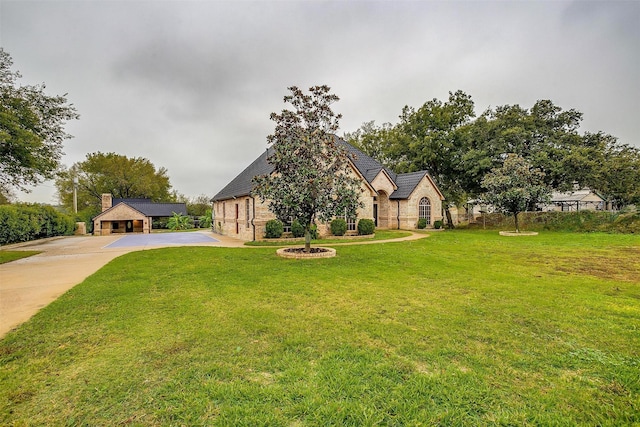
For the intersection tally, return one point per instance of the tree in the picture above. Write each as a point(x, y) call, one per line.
point(31, 130)
point(374, 141)
point(618, 177)
point(515, 186)
point(312, 178)
point(113, 173)
point(426, 138)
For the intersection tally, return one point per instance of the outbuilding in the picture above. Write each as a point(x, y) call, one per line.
point(132, 215)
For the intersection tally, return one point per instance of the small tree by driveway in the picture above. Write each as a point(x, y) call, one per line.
point(311, 177)
point(515, 186)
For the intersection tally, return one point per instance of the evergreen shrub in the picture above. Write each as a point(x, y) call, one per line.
point(338, 227)
point(422, 223)
point(25, 222)
point(366, 226)
point(274, 229)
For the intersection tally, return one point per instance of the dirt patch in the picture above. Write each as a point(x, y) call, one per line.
point(623, 264)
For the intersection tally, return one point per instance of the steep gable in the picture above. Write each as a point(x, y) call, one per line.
point(242, 185)
point(407, 183)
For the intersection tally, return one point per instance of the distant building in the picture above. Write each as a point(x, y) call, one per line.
point(132, 215)
point(576, 200)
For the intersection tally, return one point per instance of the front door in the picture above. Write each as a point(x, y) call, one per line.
point(129, 226)
point(375, 214)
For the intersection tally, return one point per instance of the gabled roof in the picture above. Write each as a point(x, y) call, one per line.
point(407, 182)
point(149, 208)
point(367, 166)
point(105, 212)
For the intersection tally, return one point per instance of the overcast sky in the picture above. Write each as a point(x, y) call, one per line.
point(190, 85)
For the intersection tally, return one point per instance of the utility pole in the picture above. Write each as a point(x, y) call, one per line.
point(75, 195)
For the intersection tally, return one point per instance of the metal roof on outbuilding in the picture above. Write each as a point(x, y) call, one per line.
point(149, 208)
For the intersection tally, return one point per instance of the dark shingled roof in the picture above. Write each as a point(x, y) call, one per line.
point(242, 184)
point(149, 208)
point(407, 182)
point(366, 165)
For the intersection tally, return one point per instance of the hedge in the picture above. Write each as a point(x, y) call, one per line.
point(24, 222)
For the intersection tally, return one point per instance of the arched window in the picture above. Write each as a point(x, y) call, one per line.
point(424, 209)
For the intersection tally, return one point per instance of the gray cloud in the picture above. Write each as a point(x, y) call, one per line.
point(190, 84)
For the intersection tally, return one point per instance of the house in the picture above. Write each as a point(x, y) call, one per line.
point(576, 200)
point(392, 201)
point(132, 215)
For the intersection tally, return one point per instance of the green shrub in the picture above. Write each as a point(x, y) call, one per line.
point(437, 224)
point(366, 226)
point(24, 222)
point(206, 219)
point(297, 229)
point(338, 227)
point(274, 229)
point(422, 223)
point(179, 222)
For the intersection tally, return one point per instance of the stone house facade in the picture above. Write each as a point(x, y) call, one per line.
point(392, 201)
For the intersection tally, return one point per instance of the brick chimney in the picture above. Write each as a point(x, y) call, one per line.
point(107, 201)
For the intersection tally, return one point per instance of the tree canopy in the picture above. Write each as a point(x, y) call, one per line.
point(458, 150)
point(113, 173)
point(311, 177)
point(31, 130)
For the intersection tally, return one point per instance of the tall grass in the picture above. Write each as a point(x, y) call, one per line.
point(461, 328)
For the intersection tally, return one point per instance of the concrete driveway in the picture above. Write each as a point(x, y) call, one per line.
point(28, 284)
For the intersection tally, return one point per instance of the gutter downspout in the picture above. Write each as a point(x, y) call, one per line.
point(253, 216)
point(398, 217)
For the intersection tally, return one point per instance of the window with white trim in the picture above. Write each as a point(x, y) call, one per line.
point(351, 223)
point(424, 209)
point(246, 212)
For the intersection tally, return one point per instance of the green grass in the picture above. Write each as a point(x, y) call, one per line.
point(460, 328)
point(379, 235)
point(8, 256)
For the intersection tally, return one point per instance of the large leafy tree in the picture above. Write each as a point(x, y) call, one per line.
point(312, 178)
point(618, 177)
point(31, 130)
point(113, 173)
point(425, 138)
point(515, 186)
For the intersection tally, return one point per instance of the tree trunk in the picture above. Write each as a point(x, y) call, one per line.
point(449, 219)
point(515, 219)
point(307, 240)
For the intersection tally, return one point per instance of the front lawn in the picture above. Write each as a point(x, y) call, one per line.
point(459, 328)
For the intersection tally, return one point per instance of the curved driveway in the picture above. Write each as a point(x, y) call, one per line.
point(28, 284)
